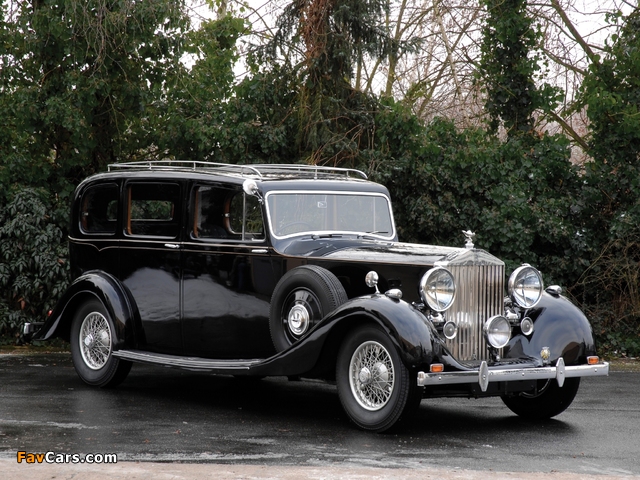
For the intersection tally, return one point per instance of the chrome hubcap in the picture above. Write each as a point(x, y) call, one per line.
point(298, 319)
point(364, 377)
point(371, 375)
point(95, 340)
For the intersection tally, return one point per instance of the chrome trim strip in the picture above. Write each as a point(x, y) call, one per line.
point(484, 375)
point(189, 363)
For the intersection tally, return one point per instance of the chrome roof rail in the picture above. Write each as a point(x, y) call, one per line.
point(259, 171)
point(187, 165)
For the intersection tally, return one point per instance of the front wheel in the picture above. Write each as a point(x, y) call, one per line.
point(375, 388)
point(548, 400)
point(92, 346)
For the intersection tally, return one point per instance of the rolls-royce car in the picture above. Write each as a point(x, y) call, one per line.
point(293, 270)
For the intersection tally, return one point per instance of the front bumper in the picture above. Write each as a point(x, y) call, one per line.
point(485, 375)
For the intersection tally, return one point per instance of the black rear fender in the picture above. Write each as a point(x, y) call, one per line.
point(113, 296)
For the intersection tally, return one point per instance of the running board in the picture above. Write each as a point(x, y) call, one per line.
point(189, 363)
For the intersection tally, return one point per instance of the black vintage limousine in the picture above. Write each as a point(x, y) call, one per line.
point(259, 270)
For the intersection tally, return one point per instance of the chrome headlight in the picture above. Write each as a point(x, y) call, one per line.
point(525, 286)
point(438, 289)
point(497, 331)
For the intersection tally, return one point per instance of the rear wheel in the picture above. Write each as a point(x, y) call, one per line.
point(375, 388)
point(548, 400)
point(92, 333)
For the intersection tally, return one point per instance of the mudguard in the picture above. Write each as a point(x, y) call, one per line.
point(113, 296)
point(559, 325)
point(404, 324)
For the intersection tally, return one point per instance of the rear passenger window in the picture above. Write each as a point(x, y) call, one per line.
point(99, 209)
point(152, 209)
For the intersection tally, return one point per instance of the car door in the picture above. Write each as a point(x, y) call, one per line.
point(93, 239)
point(150, 259)
point(227, 275)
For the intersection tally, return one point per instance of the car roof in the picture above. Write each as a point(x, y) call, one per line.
point(270, 177)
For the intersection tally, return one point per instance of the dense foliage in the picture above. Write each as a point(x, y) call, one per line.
point(323, 41)
point(610, 207)
point(33, 265)
point(85, 83)
point(80, 75)
point(519, 205)
point(510, 66)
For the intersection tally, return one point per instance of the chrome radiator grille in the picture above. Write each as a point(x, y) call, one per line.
point(479, 296)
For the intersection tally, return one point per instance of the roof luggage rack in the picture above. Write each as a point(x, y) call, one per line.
point(258, 171)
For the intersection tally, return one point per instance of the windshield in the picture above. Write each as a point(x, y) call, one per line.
point(292, 213)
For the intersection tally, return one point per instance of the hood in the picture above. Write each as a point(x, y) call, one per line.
point(372, 251)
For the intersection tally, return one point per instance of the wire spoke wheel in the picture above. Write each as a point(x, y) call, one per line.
point(375, 388)
point(371, 376)
point(95, 340)
point(92, 340)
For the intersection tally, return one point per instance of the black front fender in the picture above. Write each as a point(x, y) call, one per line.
point(113, 296)
point(559, 325)
point(317, 352)
point(405, 325)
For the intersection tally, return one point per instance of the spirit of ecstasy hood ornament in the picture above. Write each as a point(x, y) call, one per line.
point(468, 235)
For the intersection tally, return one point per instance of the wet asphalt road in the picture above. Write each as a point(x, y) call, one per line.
point(161, 414)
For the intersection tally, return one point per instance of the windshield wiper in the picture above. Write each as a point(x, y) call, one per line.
point(371, 234)
point(327, 235)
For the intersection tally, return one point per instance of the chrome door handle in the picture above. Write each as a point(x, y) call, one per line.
point(172, 245)
point(259, 250)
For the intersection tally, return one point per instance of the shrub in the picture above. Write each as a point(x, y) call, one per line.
point(516, 195)
point(33, 260)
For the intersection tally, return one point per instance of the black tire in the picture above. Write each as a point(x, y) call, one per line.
point(302, 297)
point(375, 388)
point(91, 339)
point(548, 401)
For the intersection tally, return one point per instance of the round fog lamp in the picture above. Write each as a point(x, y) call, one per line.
point(526, 325)
point(450, 330)
point(438, 289)
point(525, 286)
point(497, 331)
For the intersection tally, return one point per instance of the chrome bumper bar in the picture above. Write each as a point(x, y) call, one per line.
point(483, 376)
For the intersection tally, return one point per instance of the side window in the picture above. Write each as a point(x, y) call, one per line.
point(152, 209)
point(219, 213)
point(246, 208)
point(209, 218)
point(99, 209)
